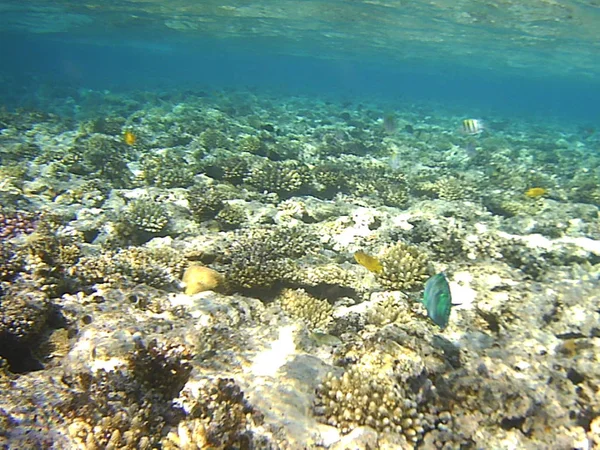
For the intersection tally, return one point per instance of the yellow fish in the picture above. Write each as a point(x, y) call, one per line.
point(129, 138)
point(535, 192)
point(369, 262)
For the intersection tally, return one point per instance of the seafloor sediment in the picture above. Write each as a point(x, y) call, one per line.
point(279, 339)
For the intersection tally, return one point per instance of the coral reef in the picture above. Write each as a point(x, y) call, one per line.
point(100, 155)
point(15, 223)
point(170, 170)
point(405, 267)
point(291, 344)
point(379, 391)
point(141, 220)
point(24, 315)
point(316, 313)
point(285, 178)
point(205, 202)
point(261, 258)
point(113, 409)
point(50, 252)
point(11, 261)
point(158, 267)
point(225, 414)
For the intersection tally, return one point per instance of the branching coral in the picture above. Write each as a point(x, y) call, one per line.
point(285, 178)
point(384, 391)
point(159, 268)
point(100, 155)
point(50, 252)
point(316, 313)
point(205, 202)
point(11, 261)
point(127, 410)
point(405, 268)
point(166, 171)
point(225, 412)
point(259, 259)
point(24, 313)
point(141, 220)
point(231, 217)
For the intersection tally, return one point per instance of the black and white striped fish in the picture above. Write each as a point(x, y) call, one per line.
point(472, 126)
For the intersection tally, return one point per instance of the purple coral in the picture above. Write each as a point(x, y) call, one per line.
point(15, 223)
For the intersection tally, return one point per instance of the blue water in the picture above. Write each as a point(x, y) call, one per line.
point(116, 56)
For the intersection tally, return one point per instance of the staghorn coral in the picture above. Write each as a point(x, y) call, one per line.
point(50, 252)
point(99, 155)
point(329, 280)
point(534, 263)
point(332, 178)
point(91, 193)
point(232, 168)
point(379, 182)
point(448, 188)
point(161, 366)
point(105, 125)
point(583, 187)
point(391, 309)
point(315, 313)
point(253, 144)
point(256, 266)
point(443, 238)
point(13, 152)
point(361, 179)
point(511, 206)
point(212, 139)
point(405, 267)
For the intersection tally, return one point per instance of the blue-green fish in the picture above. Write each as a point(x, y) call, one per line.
point(437, 299)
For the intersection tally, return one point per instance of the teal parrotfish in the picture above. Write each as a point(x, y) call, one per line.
point(437, 299)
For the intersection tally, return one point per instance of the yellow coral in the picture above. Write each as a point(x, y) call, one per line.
point(200, 278)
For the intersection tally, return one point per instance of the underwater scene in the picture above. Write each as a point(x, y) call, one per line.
point(300, 225)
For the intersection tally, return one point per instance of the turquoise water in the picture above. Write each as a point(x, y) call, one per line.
point(518, 58)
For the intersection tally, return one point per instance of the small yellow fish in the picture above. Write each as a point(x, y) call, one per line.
point(129, 138)
point(472, 126)
point(535, 192)
point(369, 262)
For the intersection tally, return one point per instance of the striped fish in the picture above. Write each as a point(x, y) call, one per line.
point(472, 126)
